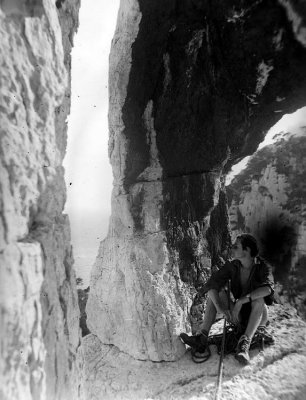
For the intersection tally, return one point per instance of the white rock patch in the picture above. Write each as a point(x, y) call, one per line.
point(263, 70)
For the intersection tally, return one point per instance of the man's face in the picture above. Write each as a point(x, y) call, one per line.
point(237, 250)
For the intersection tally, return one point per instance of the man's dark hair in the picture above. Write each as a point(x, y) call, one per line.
point(249, 241)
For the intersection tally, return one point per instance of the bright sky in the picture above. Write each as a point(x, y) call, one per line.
point(88, 171)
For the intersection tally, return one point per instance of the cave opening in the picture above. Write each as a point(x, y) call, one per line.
point(88, 171)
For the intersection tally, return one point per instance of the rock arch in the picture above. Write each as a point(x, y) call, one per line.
point(194, 86)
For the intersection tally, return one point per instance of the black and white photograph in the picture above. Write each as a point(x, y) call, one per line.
point(152, 199)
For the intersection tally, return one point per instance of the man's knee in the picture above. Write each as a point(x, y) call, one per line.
point(258, 303)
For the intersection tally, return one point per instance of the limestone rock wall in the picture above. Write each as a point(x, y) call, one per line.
point(193, 87)
point(269, 200)
point(39, 312)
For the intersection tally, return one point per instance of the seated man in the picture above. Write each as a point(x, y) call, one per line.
point(252, 287)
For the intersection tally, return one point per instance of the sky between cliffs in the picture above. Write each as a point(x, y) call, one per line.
point(88, 171)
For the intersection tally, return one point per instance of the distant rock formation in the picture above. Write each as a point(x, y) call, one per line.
point(39, 315)
point(194, 85)
point(268, 198)
point(83, 297)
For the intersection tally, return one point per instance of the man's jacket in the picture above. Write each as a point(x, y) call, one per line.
point(260, 275)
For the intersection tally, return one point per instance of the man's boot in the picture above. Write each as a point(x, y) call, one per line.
point(197, 342)
point(263, 334)
point(242, 351)
point(199, 346)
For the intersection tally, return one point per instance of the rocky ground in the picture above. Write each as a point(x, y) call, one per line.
point(278, 372)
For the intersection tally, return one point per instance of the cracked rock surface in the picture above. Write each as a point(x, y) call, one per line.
point(39, 315)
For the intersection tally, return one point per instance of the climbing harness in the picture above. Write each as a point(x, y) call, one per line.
point(233, 333)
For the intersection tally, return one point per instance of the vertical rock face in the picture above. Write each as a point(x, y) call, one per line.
point(39, 312)
point(268, 199)
point(193, 87)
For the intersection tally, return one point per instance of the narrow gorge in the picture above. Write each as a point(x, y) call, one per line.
point(194, 86)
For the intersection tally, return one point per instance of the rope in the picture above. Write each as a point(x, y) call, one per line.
point(220, 369)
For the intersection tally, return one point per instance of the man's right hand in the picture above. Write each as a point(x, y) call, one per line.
point(226, 313)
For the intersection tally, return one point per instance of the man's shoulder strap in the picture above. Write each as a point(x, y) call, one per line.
point(261, 261)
